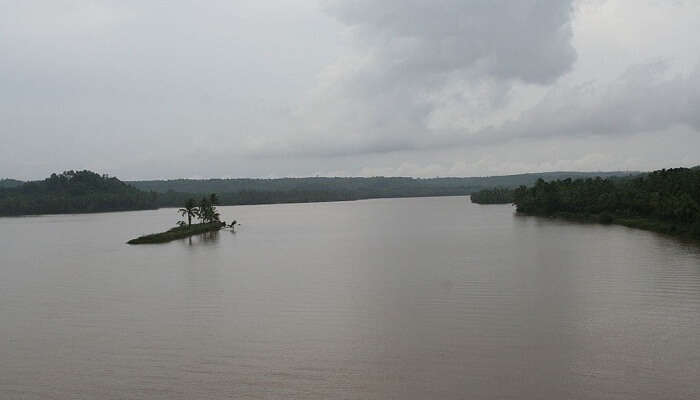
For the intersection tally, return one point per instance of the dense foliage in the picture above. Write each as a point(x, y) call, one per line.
point(493, 196)
point(666, 200)
point(85, 191)
point(9, 183)
point(207, 209)
point(74, 192)
point(255, 191)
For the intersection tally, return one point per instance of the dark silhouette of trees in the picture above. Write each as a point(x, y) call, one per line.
point(318, 189)
point(189, 210)
point(9, 183)
point(204, 210)
point(74, 192)
point(667, 200)
point(493, 196)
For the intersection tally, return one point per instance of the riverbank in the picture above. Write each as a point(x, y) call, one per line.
point(666, 201)
point(179, 232)
point(689, 231)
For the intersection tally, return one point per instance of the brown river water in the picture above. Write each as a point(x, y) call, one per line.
point(422, 298)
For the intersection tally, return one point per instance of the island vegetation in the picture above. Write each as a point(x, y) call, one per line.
point(204, 210)
point(666, 201)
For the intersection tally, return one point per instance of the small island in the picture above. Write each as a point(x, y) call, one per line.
point(205, 211)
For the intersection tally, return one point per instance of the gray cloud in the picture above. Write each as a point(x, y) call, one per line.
point(240, 88)
point(390, 97)
point(409, 54)
point(643, 99)
point(528, 40)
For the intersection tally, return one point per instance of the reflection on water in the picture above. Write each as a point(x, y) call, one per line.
point(206, 238)
point(402, 298)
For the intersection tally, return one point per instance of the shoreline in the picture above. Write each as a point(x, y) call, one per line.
point(646, 224)
point(177, 233)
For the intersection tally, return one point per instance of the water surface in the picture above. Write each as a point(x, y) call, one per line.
point(427, 298)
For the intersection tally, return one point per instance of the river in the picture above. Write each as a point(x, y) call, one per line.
point(421, 298)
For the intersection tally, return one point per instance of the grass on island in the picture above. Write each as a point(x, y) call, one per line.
point(179, 232)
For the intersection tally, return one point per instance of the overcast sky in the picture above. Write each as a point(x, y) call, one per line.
point(166, 89)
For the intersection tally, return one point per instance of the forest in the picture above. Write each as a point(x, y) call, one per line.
point(357, 187)
point(666, 200)
point(319, 189)
point(86, 191)
point(498, 195)
point(74, 192)
point(10, 183)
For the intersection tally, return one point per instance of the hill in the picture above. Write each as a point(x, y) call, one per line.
point(73, 192)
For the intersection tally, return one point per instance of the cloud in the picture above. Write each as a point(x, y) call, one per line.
point(414, 61)
point(241, 88)
point(428, 75)
point(643, 99)
point(643, 151)
point(528, 40)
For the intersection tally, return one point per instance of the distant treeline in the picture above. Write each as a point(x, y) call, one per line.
point(74, 192)
point(319, 189)
point(9, 183)
point(338, 188)
point(667, 200)
point(86, 191)
point(493, 196)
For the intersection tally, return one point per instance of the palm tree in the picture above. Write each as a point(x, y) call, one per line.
point(190, 210)
point(204, 209)
point(207, 211)
point(213, 215)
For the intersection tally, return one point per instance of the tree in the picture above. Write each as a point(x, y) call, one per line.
point(73, 192)
point(497, 195)
point(204, 209)
point(190, 210)
point(666, 200)
point(207, 210)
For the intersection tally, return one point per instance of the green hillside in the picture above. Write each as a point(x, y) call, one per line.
point(73, 192)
